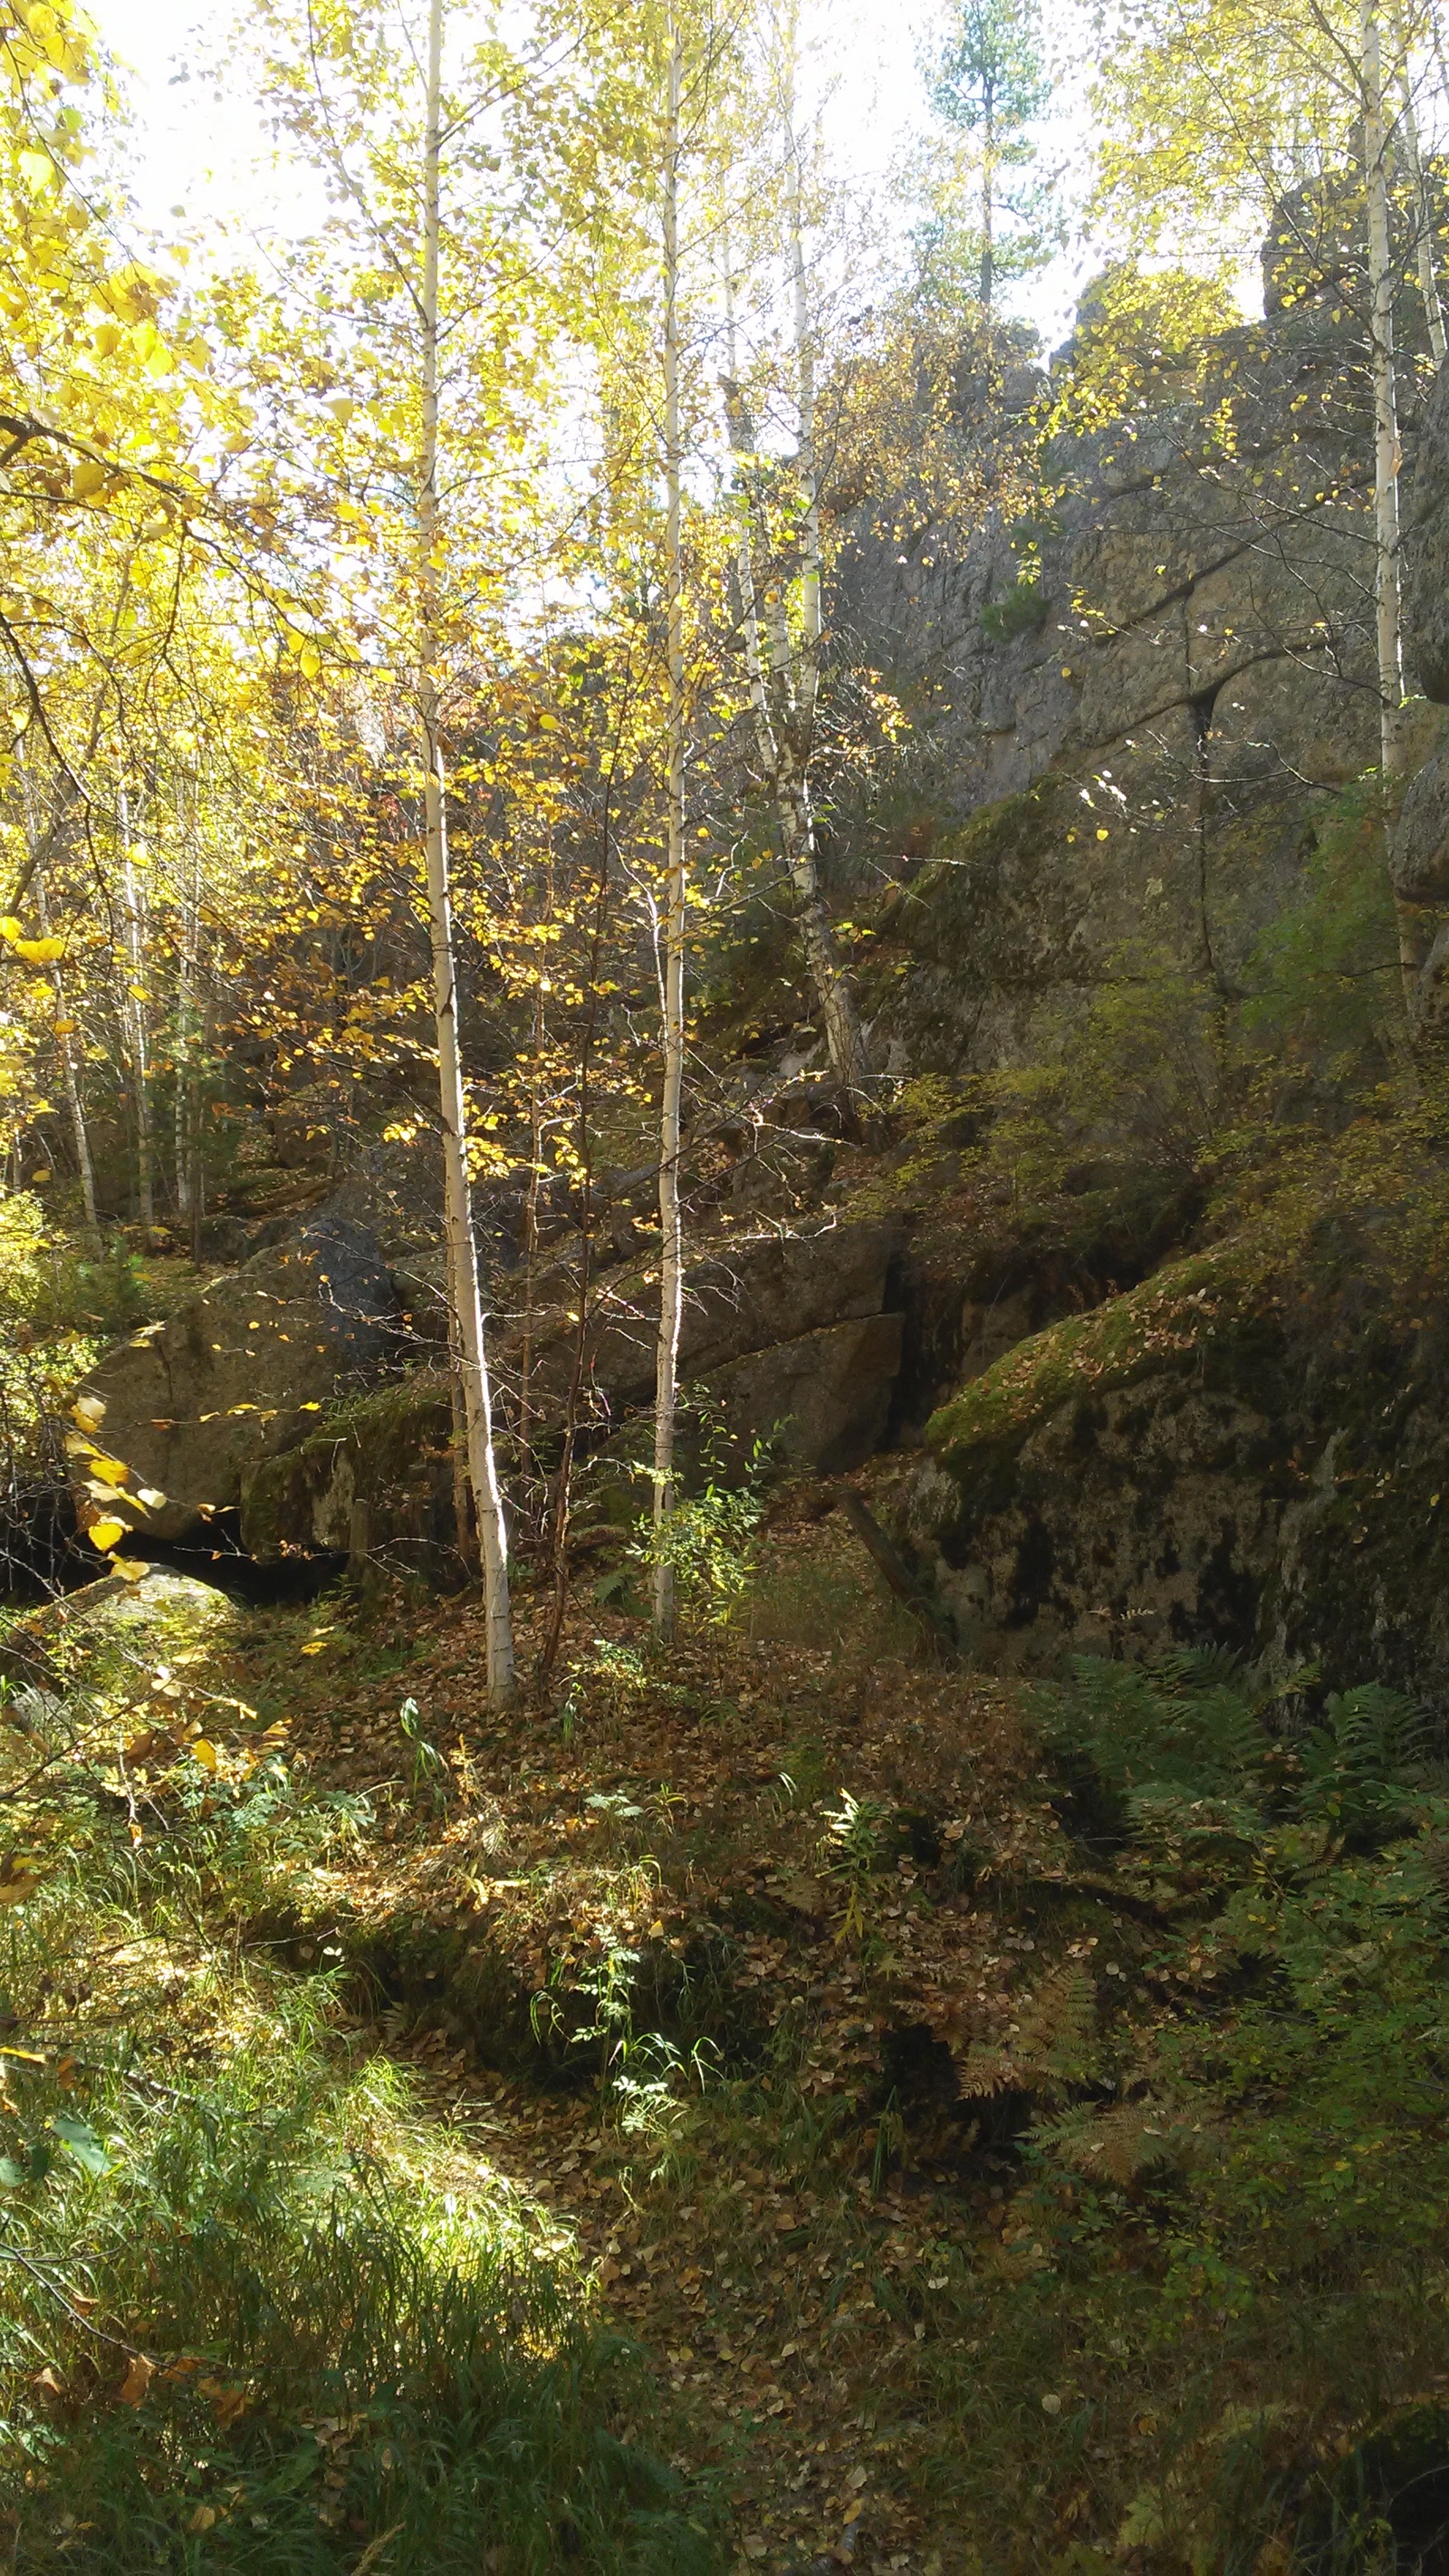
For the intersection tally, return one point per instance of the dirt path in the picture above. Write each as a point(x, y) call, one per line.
point(681, 1968)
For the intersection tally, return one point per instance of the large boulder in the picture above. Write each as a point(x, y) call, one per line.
point(740, 1297)
point(1419, 850)
point(821, 1402)
point(113, 1636)
point(1250, 1449)
point(391, 1453)
point(240, 1372)
point(1426, 548)
point(785, 1338)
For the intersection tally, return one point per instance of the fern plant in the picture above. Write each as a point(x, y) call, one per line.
point(1362, 1760)
point(1172, 1751)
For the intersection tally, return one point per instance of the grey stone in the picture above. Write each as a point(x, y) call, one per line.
point(823, 1399)
point(239, 1372)
point(115, 1630)
point(1419, 850)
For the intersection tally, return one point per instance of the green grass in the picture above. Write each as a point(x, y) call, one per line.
point(350, 2333)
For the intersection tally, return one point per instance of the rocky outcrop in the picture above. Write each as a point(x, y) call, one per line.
point(110, 1635)
point(821, 1402)
point(1419, 853)
point(239, 1373)
point(1426, 548)
point(1250, 1449)
point(1132, 706)
point(1419, 857)
point(785, 1339)
point(390, 1453)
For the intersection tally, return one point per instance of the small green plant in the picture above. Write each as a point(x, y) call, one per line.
point(709, 1540)
point(852, 1853)
point(1022, 610)
point(429, 1765)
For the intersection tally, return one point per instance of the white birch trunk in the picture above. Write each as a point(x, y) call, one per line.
point(464, 1287)
point(1423, 217)
point(784, 706)
point(671, 1221)
point(136, 1018)
point(182, 1119)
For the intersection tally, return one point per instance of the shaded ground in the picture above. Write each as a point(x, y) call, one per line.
point(1011, 2132)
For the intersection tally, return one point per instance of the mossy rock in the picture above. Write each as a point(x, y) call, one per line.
point(1250, 1448)
point(390, 1453)
point(102, 1636)
point(1213, 1310)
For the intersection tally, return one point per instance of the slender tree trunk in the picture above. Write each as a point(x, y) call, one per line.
point(183, 1107)
point(136, 1015)
point(71, 1071)
point(564, 1481)
point(464, 1287)
point(458, 1448)
point(39, 844)
point(988, 210)
point(671, 1221)
point(530, 1236)
point(1423, 215)
point(784, 699)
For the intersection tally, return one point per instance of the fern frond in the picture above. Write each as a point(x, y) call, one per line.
point(1121, 2140)
point(1051, 2047)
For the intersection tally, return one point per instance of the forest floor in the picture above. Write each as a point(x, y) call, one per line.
point(747, 1995)
point(651, 1907)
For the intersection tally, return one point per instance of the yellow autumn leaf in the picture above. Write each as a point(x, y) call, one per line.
point(134, 1568)
point(310, 660)
point(112, 1471)
point(9, 926)
point(65, 1028)
point(151, 1496)
point(39, 952)
point(87, 477)
point(314, 1646)
point(104, 1533)
point(89, 1411)
point(42, 1174)
point(204, 1753)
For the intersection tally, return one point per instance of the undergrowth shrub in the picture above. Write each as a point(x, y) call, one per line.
point(1228, 2258)
point(251, 2318)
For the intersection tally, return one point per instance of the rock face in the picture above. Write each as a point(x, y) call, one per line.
point(825, 1397)
point(764, 1290)
point(1426, 548)
point(786, 1337)
point(1130, 713)
point(391, 1452)
point(1251, 1449)
point(239, 1373)
point(1419, 856)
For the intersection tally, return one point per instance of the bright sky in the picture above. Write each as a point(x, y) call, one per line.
point(193, 149)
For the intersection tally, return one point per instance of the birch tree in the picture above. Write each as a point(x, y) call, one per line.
point(672, 924)
point(429, 393)
point(783, 658)
point(464, 1288)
